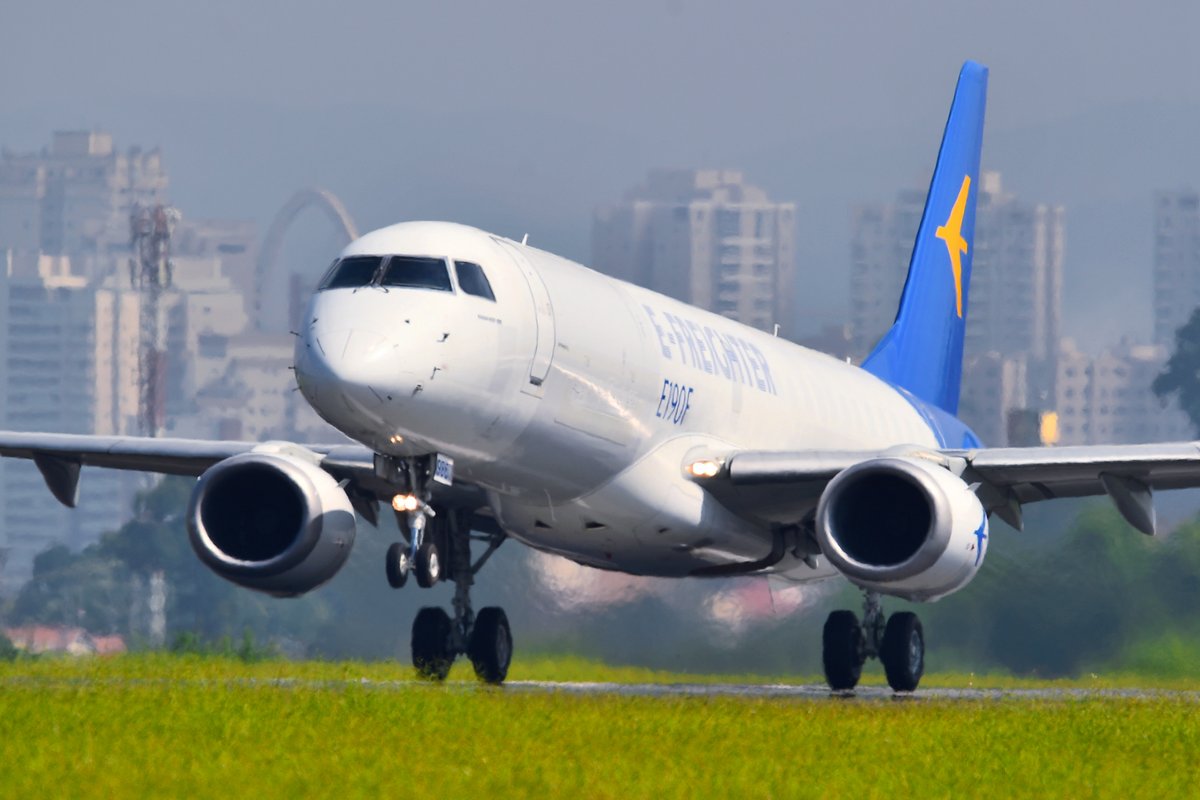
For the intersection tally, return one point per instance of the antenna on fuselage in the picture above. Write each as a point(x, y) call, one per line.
point(525, 239)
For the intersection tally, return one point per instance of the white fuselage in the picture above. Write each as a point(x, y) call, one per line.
point(576, 400)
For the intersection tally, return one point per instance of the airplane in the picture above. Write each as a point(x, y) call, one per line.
point(494, 390)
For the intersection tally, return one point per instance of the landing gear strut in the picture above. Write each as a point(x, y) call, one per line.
point(439, 546)
point(422, 553)
point(425, 541)
point(900, 645)
point(486, 638)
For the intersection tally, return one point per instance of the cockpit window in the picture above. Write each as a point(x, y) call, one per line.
point(472, 280)
point(417, 272)
point(352, 272)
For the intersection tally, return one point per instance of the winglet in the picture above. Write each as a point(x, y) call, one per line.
point(922, 353)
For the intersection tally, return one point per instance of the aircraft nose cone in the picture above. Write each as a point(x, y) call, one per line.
point(351, 362)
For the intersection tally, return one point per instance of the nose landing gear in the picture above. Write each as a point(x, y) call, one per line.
point(426, 543)
point(900, 645)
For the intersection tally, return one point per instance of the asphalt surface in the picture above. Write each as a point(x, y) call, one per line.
point(820, 692)
point(814, 692)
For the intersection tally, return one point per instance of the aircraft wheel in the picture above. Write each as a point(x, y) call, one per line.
point(490, 648)
point(903, 651)
point(397, 565)
point(431, 654)
point(429, 563)
point(842, 650)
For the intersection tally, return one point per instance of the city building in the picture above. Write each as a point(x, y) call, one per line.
point(74, 197)
point(881, 246)
point(1015, 296)
point(1107, 398)
point(72, 330)
point(234, 242)
point(705, 237)
point(253, 397)
point(1016, 274)
point(66, 369)
point(993, 385)
point(71, 364)
point(1176, 261)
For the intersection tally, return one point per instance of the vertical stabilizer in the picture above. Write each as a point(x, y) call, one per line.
point(922, 353)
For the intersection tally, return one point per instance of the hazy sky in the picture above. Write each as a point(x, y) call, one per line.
point(522, 116)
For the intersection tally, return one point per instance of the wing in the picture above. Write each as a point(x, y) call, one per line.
point(59, 457)
point(773, 486)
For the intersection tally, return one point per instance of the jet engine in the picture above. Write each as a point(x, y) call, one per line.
point(271, 520)
point(902, 526)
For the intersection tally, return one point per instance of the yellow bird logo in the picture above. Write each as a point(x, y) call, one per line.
point(956, 245)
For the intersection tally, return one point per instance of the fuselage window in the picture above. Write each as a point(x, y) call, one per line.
point(352, 272)
point(417, 273)
point(472, 280)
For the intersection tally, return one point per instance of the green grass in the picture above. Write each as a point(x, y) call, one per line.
point(193, 726)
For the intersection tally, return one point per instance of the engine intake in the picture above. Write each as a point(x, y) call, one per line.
point(271, 520)
point(903, 526)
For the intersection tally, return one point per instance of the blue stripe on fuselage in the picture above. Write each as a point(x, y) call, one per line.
point(949, 430)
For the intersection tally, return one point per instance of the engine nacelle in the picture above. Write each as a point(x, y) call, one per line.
point(902, 526)
point(271, 520)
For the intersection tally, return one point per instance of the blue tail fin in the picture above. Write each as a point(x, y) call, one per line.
point(922, 353)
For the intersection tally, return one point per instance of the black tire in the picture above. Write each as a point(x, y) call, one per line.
point(903, 651)
point(842, 648)
point(397, 565)
point(429, 563)
point(431, 644)
point(490, 648)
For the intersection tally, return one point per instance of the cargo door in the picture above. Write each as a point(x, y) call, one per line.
point(544, 338)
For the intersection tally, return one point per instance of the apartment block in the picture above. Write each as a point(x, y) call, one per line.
point(1015, 295)
point(1176, 261)
point(705, 237)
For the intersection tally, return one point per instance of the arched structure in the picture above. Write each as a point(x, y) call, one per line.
point(266, 274)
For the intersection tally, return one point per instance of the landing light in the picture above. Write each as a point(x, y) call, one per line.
point(405, 502)
point(705, 468)
point(397, 439)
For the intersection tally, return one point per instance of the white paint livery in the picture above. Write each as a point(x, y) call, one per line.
point(902, 526)
point(588, 463)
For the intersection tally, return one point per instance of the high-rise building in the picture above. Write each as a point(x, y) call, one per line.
point(69, 363)
point(705, 237)
point(1016, 278)
point(233, 241)
point(68, 354)
point(1015, 296)
point(1107, 399)
point(1176, 261)
point(74, 197)
point(71, 330)
point(880, 249)
point(253, 397)
point(992, 386)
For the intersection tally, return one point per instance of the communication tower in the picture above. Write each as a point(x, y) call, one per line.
point(150, 269)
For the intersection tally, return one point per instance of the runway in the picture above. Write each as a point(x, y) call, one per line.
point(821, 692)
point(781, 691)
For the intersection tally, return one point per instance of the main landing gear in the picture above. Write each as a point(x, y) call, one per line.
point(900, 645)
point(439, 548)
